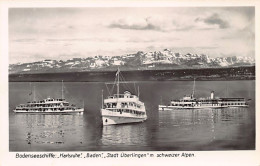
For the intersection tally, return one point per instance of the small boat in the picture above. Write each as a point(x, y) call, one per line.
point(122, 108)
point(49, 106)
point(190, 102)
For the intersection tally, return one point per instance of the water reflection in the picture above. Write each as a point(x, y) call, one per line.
point(57, 129)
point(200, 116)
point(128, 134)
point(204, 127)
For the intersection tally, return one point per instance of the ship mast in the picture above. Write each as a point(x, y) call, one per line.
point(33, 93)
point(30, 94)
point(117, 84)
point(138, 91)
point(102, 99)
point(193, 90)
point(62, 89)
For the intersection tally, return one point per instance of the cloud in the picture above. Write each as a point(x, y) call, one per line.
point(25, 40)
point(152, 40)
point(88, 39)
point(139, 40)
point(135, 27)
point(214, 19)
point(184, 28)
point(152, 23)
point(141, 24)
point(64, 40)
point(248, 11)
point(71, 27)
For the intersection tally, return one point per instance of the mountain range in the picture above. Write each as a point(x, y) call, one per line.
point(156, 60)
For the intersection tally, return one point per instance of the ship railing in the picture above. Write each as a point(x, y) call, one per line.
point(184, 100)
point(49, 106)
point(125, 108)
point(54, 99)
point(21, 106)
point(131, 107)
point(122, 96)
point(232, 99)
point(42, 102)
point(122, 112)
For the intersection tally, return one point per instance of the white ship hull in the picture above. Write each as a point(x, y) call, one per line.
point(165, 108)
point(81, 110)
point(122, 108)
point(113, 118)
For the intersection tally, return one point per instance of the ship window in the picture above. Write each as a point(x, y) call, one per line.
point(113, 105)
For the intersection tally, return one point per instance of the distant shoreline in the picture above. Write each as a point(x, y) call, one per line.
point(204, 74)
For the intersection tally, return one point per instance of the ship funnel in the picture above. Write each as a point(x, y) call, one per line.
point(212, 95)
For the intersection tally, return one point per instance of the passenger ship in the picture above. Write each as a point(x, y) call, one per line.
point(122, 108)
point(49, 106)
point(190, 102)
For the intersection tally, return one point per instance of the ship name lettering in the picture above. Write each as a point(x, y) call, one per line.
point(95, 155)
point(68, 155)
point(112, 154)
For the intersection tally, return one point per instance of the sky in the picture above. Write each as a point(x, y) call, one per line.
point(37, 34)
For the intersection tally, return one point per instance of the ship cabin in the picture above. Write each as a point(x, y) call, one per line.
point(126, 95)
point(51, 100)
point(233, 102)
point(124, 103)
point(190, 101)
point(185, 101)
point(48, 104)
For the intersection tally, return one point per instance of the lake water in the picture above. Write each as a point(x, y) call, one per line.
point(178, 130)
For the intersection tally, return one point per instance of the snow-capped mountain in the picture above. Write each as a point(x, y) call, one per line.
point(140, 60)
